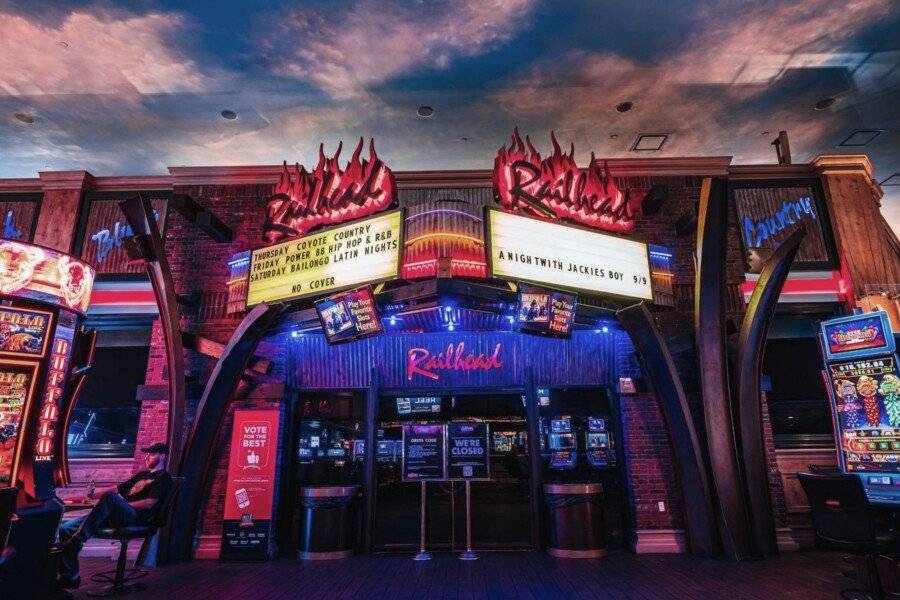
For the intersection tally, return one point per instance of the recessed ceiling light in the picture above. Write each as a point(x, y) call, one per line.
point(229, 114)
point(861, 137)
point(464, 139)
point(765, 133)
point(614, 136)
point(649, 142)
point(624, 106)
point(823, 103)
point(893, 179)
point(24, 118)
point(425, 111)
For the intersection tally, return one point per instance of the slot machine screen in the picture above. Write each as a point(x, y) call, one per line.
point(562, 441)
point(597, 440)
point(17, 383)
point(596, 424)
point(867, 409)
point(560, 425)
point(502, 442)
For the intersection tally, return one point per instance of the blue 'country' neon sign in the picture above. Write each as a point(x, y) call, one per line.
point(790, 213)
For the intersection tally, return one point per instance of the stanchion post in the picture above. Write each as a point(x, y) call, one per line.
point(423, 554)
point(469, 554)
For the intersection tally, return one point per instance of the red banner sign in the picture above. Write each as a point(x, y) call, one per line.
point(554, 187)
point(251, 468)
point(328, 195)
point(420, 361)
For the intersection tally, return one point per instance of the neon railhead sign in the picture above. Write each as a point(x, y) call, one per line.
point(555, 187)
point(304, 200)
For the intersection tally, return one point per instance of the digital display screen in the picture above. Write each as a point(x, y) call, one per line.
point(866, 396)
point(546, 312)
point(596, 424)
point(45, 275)
point(597, 440)
point(562, 441)
point(349, 315)
point(23, 332)
point(425, 404)
point(16, 386)
point(560, 425)
point(857, 335)
point(337, 453)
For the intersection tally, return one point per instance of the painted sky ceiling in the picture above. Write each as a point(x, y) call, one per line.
point(131, 87)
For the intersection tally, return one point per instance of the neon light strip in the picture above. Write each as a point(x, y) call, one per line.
point(444, 235)
point(660, 254)
point(459, 261)
point(444, 210)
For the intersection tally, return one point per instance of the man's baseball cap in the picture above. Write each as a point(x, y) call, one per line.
point(157, 448)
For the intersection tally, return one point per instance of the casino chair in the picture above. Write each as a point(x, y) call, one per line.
point(844, 520)
point(122, 577)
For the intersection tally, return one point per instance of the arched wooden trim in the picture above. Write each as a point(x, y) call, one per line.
point(750, 352)
point(151, 246)
point(220, 389)
point(660, 369)
point(709, 328)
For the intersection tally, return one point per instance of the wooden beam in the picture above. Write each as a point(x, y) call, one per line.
point(712, 355)
point(209, 223)
point(750, 353)
point(213, 349)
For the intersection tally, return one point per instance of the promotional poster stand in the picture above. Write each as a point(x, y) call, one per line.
point(423, 554)
point(469, 554)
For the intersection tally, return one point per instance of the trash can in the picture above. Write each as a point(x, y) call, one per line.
point(329, 521)
point(575, 526)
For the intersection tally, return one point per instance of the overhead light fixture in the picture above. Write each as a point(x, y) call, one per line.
point(893, 179)
point(229, 114)
point(649, 142)
point(24, 118)
point(860, 137)
point(614, 136)
point(425, 111)
point(624, 106)
point(823, 103)
point(62, 44)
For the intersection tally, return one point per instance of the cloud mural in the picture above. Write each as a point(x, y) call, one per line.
point(138, 86)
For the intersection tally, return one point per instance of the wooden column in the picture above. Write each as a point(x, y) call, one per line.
point(709, 328)
point(754, 331)
point(60, 207)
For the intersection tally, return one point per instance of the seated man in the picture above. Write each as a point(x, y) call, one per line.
point(133, 502)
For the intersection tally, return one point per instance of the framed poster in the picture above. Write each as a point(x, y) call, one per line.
point(468, 451)
point(18, 216)
point(424, 453)
point(349, 315)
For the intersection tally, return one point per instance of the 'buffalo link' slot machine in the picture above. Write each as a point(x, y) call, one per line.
point(44, 353)
point(861, 370)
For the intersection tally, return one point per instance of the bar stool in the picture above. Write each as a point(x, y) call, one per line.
point(844, 519)
point(121, 577)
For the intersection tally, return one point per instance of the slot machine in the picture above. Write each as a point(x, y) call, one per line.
point(863, 380)
point(44, 355)
point(563, 445)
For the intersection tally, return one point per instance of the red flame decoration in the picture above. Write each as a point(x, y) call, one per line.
point(555, 187)
point(328, 194)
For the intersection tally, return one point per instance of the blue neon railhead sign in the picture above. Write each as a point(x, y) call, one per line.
point(791, 212)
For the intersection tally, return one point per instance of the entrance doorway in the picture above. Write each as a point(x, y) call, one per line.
point(501, 507)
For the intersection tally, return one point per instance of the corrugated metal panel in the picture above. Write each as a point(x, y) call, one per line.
point(473, 196)
point(586, 359)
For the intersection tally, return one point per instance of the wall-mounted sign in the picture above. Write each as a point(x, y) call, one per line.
point(17, 383)
point(546, 312)
point(349, 315)
point(105, 228)
point(423, 453)
point(45, 275)
point(250, 486)
point(555, 187)
point(468, 451)
point(23, 332)
point(858, 335)
point(364, 251)
point(18, 216)
point(770, 211)
point(50, 406)
point(418, 405)
point(425, 363)
point(328, 195)
point(532, 250)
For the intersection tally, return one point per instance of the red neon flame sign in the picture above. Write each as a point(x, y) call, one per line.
point(420, 361)
point(554, 187)
point(303, 200)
